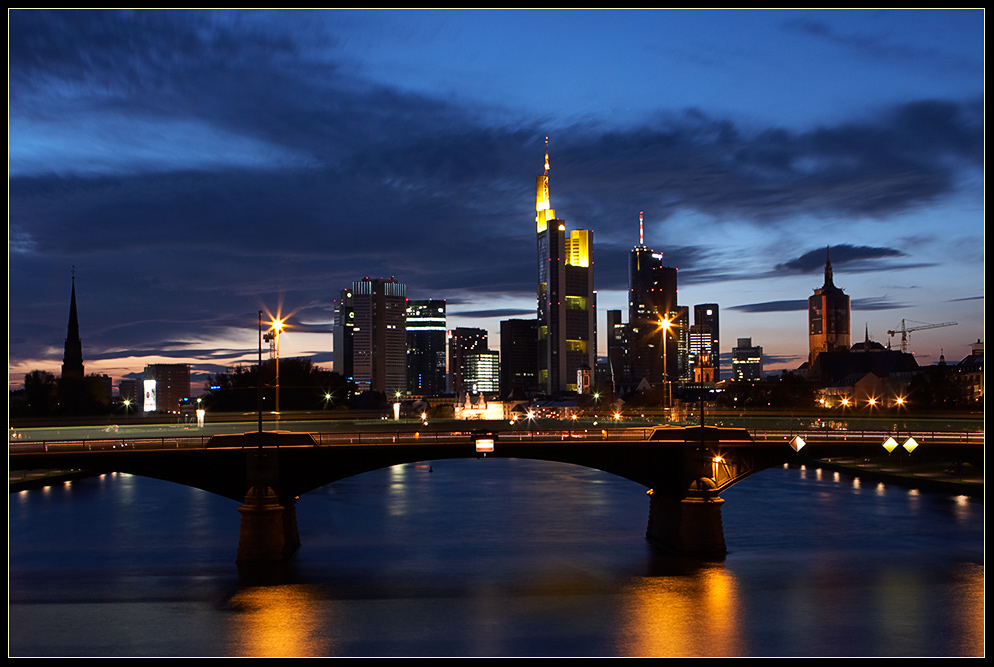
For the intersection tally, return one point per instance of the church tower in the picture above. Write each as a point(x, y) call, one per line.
point(72, 360)
point(828, 317)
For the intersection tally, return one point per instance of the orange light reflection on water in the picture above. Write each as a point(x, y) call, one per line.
point(684, 616)
point(278, 621)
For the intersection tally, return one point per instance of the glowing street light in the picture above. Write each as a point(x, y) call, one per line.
point(664, 325)
point(272, 336)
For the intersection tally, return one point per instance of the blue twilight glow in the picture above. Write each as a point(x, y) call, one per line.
point(198, 166)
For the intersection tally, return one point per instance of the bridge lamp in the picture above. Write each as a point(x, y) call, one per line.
point(911, 445)
point(715, 464)
point(890, 444)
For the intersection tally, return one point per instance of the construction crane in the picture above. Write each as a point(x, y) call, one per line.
point(905, 330)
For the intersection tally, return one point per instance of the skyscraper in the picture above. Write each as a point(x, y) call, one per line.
point(426, 347)
point(567, 305)
point(463, 342)
point(828, 317)
point(519, 357)
point(707, 336)
point(370, 335)
point(652, 311)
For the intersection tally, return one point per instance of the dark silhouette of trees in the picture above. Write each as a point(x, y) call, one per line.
point(303, 386)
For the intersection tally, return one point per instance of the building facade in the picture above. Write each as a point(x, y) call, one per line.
point(165, 386)
point(519, 357)
point(370, 335)
point(567, 305)
point(464, 342)
point(747, 361)
point(426, 332)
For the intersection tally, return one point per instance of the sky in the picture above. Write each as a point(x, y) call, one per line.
point(188, 168)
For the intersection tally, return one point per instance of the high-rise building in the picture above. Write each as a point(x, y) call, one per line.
point(828, 317)
point(706, 321)
point(747, 361)
point(567, 304)
point(652, 312)
point(519, 357)
point(463, 342)
point(426, 347)
point(370, 335)
point(165, 386)
point(481, 372)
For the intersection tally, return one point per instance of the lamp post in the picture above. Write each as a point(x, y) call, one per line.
point(259, 379)
point(664, 325)
point(275, 329)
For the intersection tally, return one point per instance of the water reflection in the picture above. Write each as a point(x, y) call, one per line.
point(279, 621)
point(683, 616)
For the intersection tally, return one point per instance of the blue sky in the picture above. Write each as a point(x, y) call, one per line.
point(197, 166)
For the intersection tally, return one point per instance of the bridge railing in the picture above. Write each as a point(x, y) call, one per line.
point(826, 435)
point(414, 437)
point(109, 444)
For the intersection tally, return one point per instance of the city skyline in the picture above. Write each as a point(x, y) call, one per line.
point(198, 166)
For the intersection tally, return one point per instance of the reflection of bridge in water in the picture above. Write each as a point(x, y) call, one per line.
point(685, 468)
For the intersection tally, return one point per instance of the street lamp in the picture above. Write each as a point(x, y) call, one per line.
point(664, 325)
point(273, 337)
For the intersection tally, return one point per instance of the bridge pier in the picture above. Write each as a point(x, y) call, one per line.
point(269, 528)
point(269, 522)
point(690, 525)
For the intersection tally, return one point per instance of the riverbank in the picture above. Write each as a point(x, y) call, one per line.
point(933, 476)
point(37, 479)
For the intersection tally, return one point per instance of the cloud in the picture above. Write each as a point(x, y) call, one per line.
point(813, 261)
point(785, 306)
point(207, 163)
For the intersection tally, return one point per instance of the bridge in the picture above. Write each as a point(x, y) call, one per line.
point(684, 468)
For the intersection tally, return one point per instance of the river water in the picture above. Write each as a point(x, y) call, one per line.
point(497, 557)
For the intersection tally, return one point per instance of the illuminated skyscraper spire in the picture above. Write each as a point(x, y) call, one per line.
point(641, 235)
point(543, 206)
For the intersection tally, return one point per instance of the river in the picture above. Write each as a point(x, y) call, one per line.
point(497, 557)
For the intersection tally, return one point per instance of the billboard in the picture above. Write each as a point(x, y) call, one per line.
point(149, 395)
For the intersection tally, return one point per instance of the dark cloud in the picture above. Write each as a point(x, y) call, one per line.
point(357, 179)
point(496, 312)
point(813, 261)
point(786, 306)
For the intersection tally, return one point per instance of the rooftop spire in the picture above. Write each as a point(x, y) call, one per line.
point(641, 236)
point(72, 361)
point(543, 207)
point(828, 267)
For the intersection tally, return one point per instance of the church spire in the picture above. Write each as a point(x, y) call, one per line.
point(828, 268)
point(72, 361)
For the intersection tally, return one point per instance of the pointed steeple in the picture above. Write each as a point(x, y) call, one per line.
point(72, 361)
point(828, 268)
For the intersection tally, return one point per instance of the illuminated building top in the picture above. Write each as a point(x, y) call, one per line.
point(543, 207)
